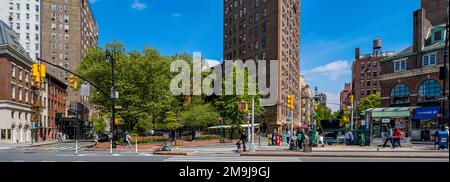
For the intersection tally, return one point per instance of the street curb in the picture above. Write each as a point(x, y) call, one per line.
point(334, 155)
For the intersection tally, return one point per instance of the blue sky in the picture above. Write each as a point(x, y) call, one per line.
point(330, 31)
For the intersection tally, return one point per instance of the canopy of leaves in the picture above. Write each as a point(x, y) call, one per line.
point(371, 101)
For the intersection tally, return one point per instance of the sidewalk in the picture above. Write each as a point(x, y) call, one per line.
point(152, 146)
point(352, 152)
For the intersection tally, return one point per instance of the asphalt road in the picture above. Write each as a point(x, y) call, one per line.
point(65, 152)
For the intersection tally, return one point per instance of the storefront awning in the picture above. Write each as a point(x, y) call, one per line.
point(392, 112)
point(427, 112)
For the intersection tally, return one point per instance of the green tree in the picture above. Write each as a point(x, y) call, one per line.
point(142, 79)
point(98, 122)
point(371, 101)
point(323, 113)
point(227, 105)
point(199, 116)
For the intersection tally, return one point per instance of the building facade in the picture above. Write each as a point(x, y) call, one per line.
point(411, 78)
point(366, 71)
point(267, 30)
point(69, 29)
point(344, 102)
point(56, 104)
point(24, 17)
point(319, 98)
point(307, 100)
point(16, 98)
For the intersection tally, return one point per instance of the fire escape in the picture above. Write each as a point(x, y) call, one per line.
point(37, 106)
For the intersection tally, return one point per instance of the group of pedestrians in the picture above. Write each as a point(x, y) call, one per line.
point(394, 136)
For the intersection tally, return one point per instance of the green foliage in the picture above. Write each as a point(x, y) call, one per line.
point(323, 113)
point(98, 122)
point(199, 115)
point(142, 79)
point(227, 105)
point(371, 101)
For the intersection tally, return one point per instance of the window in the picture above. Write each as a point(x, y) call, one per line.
point(375, 74)
point(368, 92)
point(362, 66)
point(437, 36)
point(362, 76)
point(264, 13)
point(400, 65)
point(429, 90)
point(264, 29)
point(429, 59)
point(20, 74)
point(26, 95)
point(27, 75)
point(13, 91)
point(13, 70)
point(368, 83)
point(18, 7)
point(20, 95)
point(263, 42)
point(375, 65)
point(256, 31)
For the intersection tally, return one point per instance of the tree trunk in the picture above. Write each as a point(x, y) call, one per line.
point(193, 133)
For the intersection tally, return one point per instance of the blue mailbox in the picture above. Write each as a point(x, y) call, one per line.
point(441, 139)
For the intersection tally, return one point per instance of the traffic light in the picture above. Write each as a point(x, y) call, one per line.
point(73, 83)
point(290, 102)
point(351, 99)
point(243, 106)
point(38, 72)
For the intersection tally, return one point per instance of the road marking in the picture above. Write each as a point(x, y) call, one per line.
point(47, 161)
point(79, 161)
point(18, 161)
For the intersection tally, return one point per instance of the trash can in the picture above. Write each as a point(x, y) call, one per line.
point(441, 140)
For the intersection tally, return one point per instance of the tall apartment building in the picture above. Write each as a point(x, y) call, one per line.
point(267, 30)
point(366, 71)
point(24, 17)
point(69, 29)
point(307, 102)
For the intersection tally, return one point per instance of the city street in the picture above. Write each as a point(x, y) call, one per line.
point(65, 152)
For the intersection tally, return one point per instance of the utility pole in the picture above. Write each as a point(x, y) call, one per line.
point(114, 96)
point(252, 138)
point(351, 121)
point(446, 74)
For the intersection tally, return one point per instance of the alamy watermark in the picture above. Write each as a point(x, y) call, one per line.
point(259, 80)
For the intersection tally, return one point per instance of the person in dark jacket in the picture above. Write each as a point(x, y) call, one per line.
point(389, 135)
point(243, 139)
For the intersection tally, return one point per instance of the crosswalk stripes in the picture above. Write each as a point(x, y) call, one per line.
point(205, 158)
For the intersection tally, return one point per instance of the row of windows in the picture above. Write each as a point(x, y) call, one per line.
point(429, 90)
point(427, 60)
point(27, 16)
point(368, 65)
point(18, 6)
point(21, 93)
point(27, 26)
point(20, 73)
point(19, 115)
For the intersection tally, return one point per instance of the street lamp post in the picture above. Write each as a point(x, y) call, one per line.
point(110, 58)
point(252, 139)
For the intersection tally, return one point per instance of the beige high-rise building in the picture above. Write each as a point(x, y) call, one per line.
point(267, 30)
point(69, 29)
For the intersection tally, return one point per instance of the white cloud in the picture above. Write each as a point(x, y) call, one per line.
point(209, 63)
point(138, 5)
point(176, 14)
point(333, 69)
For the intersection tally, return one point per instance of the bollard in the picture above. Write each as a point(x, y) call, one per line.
point(76, 147)
point(136, 147)
point(110, 148)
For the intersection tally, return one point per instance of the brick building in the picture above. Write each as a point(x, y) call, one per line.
point(344, 101)
point(69, 29)
point(366, 72)
point(16, 98)
point(267, 30)
point(56, 104)
point(411, 77)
